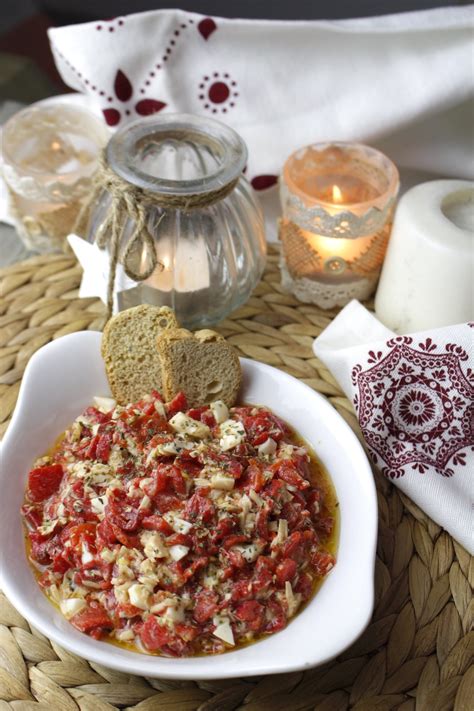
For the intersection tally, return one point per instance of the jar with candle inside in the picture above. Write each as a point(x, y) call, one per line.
point(204, 228)
point(50, 154)
point(338, 201)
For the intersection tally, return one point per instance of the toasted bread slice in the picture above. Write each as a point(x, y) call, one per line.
point(202, 365)
point(129, 351)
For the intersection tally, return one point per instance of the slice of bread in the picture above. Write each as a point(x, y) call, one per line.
point(129, 351)
point(202, 365)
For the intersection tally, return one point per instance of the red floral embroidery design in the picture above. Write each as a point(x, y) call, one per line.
point(123, 90)
point(113, 23)
point(218, 92)
point(263, 182)
point(171, 46)
point(416, 407)
point(206, 27)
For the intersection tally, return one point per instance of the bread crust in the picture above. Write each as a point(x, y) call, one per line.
point(128, 348)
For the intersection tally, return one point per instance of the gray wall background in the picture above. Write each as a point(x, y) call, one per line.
point(71, 11)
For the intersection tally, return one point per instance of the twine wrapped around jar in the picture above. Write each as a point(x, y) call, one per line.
point(132, 202)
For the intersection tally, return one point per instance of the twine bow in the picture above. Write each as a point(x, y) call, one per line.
point(129, 201)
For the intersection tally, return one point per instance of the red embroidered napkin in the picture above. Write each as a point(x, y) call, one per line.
point(283, 85)
point(414, 398)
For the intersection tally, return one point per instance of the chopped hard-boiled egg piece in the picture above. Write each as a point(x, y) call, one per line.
point(223, 629)
point(54, 593)
point(75, 431)
point(293, 600)
point(113, 485)
point(79, 469)
point(121, 592)
point(153, 545)
point(145, 503)
point(139, 596)
point(174, 614)
point(267, 448)
point(245, 506)
point(171, 448)
point(107, 555)
point(179, 525)
point(232, 434)
point(211, 579)
point(115, 459)
point(160, 408)
point(256, 498)
point(98, 504)
point(186, 425)
point(220, 481)
point(104, 404)
point(282, 533)
point(220, 411)
point(177, 552)
point(285, 451)
point(87, 556)
point(125, 635)
point(171, 610)
point(47, 527)
point(71, 606)
point(250, 522)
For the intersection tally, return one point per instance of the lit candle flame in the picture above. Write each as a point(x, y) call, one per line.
point(336, 194)
point(55, 145)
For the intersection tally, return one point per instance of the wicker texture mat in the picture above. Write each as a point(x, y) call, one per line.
point(417, 652)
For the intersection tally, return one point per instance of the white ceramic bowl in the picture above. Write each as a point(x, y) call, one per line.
point(59, 382)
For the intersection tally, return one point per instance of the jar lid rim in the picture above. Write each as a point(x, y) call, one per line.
point(232, 150)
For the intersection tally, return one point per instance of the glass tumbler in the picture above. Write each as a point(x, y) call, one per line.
point(50, 154)
point(208, 257)
point(338, 201)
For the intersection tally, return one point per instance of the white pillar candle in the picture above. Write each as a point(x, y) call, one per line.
point(428, 275)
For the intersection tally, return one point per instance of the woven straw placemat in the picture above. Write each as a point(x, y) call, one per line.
point(416, 653)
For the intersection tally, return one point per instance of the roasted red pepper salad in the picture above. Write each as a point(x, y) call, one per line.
point(179, 531)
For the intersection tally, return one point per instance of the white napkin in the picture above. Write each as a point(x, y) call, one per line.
point(414, 398)
point(398, 82)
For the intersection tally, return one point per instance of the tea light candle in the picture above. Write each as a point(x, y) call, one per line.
point(428, 276)
point(337, 204)
point(185, 268)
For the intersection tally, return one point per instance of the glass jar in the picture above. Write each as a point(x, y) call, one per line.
point(209, 256)
point(50, 154)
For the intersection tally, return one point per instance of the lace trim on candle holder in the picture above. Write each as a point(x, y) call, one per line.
point(344, 224)
point(326, 296)
point(303, 259)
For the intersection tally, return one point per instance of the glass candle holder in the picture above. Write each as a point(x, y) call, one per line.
point(206, 227)
point(50, 154)
point(338, 202)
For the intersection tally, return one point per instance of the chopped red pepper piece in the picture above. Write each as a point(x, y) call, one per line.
point(43, 482)
point(91, 617)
